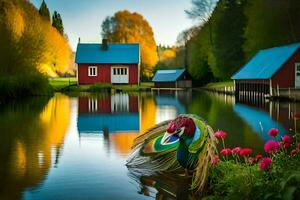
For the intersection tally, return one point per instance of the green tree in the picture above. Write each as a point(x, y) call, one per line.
point(44, 11)
point(57, 22)
point(228, 38)
point(271, 23)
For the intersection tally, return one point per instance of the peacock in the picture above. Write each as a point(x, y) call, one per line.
point(185, 144)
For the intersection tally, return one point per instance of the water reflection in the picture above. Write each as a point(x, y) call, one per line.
point(114, 116)
point(163, 185)
point(68, 148)
point(32, 134)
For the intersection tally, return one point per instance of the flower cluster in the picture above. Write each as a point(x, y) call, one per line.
point(271, 147)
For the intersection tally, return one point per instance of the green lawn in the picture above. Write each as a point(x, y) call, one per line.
point(61, 82)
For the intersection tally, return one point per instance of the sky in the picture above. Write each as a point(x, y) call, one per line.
point(83, 18)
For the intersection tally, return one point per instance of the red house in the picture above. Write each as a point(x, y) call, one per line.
point(108, 63)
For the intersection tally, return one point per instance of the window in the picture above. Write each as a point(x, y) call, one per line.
point(298, 69)
point(92, 71)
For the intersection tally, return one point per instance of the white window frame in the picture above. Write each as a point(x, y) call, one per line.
point(90, 71)
point(296, 70)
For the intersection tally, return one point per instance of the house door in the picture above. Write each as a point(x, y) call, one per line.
point(297, 75)
point(119, 74)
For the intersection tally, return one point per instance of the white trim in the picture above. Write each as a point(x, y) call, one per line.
point(296, 65)
point(271, 88)
point(90, 73)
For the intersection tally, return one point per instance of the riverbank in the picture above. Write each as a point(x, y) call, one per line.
point(219, 87)
point(70, 85)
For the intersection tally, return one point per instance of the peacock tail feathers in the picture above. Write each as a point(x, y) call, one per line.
point(202, 169)
point(149, 155)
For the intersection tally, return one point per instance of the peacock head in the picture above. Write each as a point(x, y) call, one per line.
point(179, 127)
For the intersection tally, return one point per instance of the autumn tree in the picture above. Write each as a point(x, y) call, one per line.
point(44, 11)
point(127, 27)
point(57, 22)
point(28, 43)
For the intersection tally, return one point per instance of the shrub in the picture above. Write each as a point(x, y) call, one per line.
point(24, 85)
point(99, 87)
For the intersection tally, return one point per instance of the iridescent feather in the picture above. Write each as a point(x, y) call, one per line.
point(150, 154)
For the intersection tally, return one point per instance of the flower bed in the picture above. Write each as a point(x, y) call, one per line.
point(239, 174)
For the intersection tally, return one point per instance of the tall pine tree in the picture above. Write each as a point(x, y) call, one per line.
point(44, 11)
point(57, 22)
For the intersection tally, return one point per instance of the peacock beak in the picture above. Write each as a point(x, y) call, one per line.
point(166, 138)
point(169, 138)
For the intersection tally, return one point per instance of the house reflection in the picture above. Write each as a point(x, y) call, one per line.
point(114, 117)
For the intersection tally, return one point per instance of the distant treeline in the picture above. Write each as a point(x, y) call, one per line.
point(30, 49)
point(233, 33)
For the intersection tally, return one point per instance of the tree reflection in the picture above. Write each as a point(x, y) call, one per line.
point(32, 134)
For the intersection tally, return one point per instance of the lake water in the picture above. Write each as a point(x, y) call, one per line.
point(76, 147)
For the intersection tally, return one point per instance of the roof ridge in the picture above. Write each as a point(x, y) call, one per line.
point(282, 46)
point(93, 43)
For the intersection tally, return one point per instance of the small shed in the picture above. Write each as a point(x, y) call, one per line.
point(274, 68)
point(174, 78)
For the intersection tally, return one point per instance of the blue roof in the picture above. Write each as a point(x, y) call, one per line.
point(167, 75)
point(114, 123)
point(266, 62)
point(116, 54)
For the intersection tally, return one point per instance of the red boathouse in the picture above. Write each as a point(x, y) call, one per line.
point(269, 71)
point(108, 63)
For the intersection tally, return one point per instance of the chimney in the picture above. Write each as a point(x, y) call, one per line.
point(104, 45)
point(79, 40)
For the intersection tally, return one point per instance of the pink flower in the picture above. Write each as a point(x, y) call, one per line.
point(215, 160)
point(220, 134)
point(258, 157)
point(236, 150)
point(271, 146)
point(245, 152)
point(226, 151)
point(287, 141)
point(265, 163)
point(293, 152)
point(273, 132)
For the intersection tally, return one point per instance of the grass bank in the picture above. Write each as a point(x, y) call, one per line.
point(70, 85)
point(226, 87)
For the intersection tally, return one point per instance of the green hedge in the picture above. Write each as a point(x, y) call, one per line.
point(24, 85)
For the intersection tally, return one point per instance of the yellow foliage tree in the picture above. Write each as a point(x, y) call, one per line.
point(28, 42)
point(127, 27)
point(168, 54)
